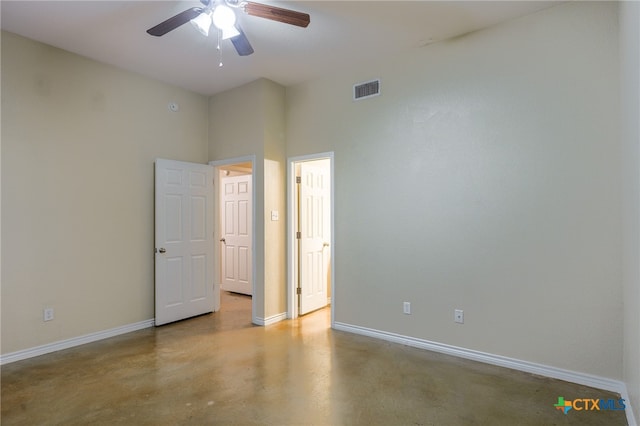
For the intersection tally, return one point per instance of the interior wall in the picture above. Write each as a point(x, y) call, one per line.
point(79, 140)
point(275, 191)
point(630, 60)
point(484, 178)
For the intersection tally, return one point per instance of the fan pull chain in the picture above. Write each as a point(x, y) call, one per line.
point(219, 50)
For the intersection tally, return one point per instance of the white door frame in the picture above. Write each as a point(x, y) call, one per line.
point(216, 247)
point(292, 306)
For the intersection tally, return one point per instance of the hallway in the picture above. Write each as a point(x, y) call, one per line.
point(219, 369)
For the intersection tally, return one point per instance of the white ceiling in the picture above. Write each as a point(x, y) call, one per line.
point(341, 34)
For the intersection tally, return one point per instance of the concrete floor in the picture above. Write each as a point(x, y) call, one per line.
point(218, 369)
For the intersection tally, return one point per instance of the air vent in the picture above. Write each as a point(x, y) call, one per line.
point(366, 90)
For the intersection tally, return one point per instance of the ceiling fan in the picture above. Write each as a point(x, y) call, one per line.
point(221, 13)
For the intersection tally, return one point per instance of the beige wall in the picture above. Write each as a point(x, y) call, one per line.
point(79, 139)
point(275, 194)
point(249, 120)
point(630, 59)
point(485, 178)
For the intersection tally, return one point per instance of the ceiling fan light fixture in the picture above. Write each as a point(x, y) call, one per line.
point(224, 18)
point(229, 32)
point(221, 14)
point(202, 23)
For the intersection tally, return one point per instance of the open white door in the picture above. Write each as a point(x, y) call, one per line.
point(315, 235)
point(236, 224)
point(184, 240)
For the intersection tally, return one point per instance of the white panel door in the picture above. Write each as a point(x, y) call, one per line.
point(184, 240)
point(236, 227)
point(315, 223)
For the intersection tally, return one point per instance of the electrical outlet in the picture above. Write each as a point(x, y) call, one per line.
point(48, 314)
point(458, 316)
point(406, 308)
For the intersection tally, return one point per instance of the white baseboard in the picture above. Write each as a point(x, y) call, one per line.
point(515, 364)
point(631, 418)
point(270, 320)
point(75, 341)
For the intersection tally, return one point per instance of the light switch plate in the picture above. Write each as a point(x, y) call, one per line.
point(47, 314)
point(274, 215)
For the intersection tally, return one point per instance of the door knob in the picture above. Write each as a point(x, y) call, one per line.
point(162, 250)
point(222, 240)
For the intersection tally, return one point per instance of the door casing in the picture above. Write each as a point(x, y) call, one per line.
point(292, 305)
point(217, 164)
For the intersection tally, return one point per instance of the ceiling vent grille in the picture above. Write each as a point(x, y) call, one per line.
point(366, 90)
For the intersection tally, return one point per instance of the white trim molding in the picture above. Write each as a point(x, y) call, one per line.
point(501, 361)
point(631, 418)
point(74, 341)
point(270, 320)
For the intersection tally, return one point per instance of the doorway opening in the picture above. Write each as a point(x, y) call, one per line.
point(311, 284)
point(234, 234)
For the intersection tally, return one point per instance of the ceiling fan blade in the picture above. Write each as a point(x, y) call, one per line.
point(277, 14)
point(241, 43)
point(175, 21)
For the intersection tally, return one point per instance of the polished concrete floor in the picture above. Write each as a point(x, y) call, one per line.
point(218, 369)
